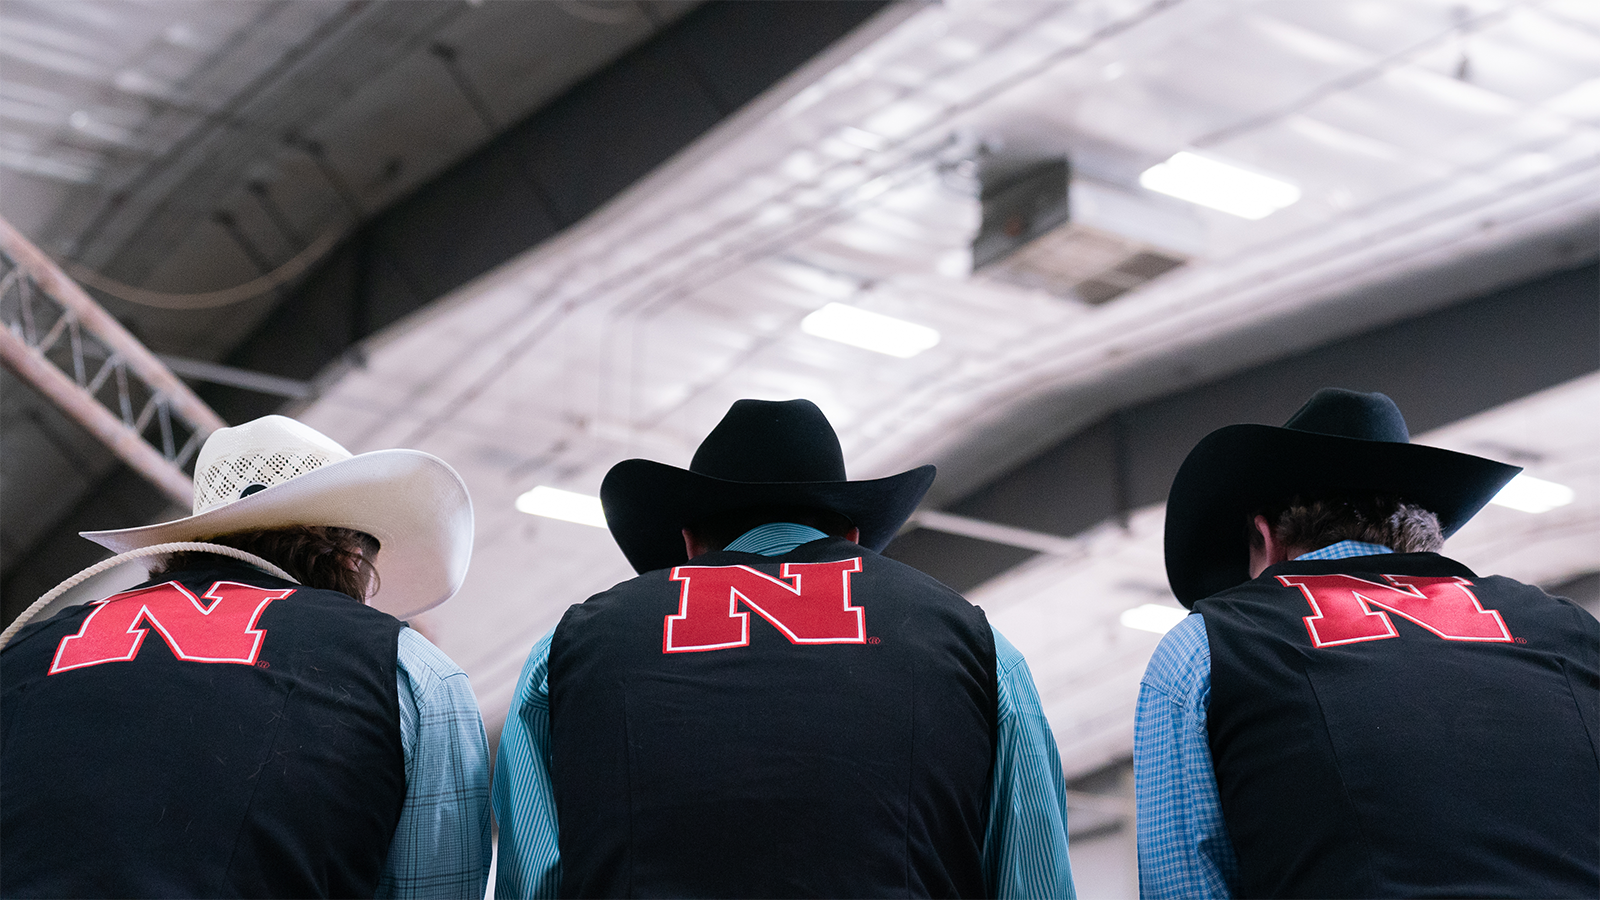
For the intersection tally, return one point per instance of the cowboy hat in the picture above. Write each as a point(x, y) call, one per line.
point(275, 472)
point(1339, 441)
point(762, 453)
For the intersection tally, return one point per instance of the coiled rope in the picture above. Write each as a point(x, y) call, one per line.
point(120, 558)
point(290, 270)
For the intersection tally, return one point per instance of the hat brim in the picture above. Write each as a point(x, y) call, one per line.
point(647, 505)
point(412, 502)
point(1236, 470)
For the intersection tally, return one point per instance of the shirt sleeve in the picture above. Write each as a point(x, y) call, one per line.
point(524, 800)
point(1184, 850)
point(441, 847)
point(1025, 843)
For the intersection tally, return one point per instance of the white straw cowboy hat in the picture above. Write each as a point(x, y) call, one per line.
point(276, 472)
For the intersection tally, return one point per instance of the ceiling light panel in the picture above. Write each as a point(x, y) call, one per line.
point(568, 506)
point(870, 331)
point(1528, 494)
point(1219, 185)
point(1159, 618)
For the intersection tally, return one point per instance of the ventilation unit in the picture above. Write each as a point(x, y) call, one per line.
point(1034, 234)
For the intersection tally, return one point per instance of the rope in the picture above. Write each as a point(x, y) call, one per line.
point(120, 558)
point(291, 269)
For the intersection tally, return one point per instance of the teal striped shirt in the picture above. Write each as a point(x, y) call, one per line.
point(1025, 842)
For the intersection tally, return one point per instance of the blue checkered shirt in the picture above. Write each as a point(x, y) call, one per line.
point(441, 846)
point(1024, 845)
point(1184, 851)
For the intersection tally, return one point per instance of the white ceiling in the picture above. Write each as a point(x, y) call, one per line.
point(1459, 138)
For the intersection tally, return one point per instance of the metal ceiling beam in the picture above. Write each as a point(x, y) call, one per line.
point(259, 382)
point(58, 339)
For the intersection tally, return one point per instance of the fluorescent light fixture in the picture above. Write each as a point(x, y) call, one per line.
point(1198, 179)
point(1533, 495)
point(1153, 617)
point(869, 330)
point(554, 503)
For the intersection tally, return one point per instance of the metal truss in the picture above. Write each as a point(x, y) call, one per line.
point(57, 338)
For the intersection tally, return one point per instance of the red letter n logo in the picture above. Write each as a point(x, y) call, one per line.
point(1345, 614)
point(814, 610)
point(224, 633)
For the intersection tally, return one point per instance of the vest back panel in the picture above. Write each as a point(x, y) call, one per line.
point(160, 776)
point(1432, 733)
point(858, 767)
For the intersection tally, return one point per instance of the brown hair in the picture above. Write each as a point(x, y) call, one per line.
point(318, 556)
point(1307, 524)
point(721, 530)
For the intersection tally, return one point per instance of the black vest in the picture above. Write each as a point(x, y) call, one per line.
point(698, 753)
point(1362, 754)
point(262, 764)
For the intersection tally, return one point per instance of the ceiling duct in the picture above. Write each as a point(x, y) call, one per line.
point(1032, 235)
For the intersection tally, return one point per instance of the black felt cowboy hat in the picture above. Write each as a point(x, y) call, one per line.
point(1339, 441)
point(762, 453)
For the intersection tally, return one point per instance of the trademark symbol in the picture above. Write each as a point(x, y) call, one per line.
point(873, 640)
point(1521, 640)
point(263, 664)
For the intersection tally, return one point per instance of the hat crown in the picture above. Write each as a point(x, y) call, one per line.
point(771, 441)
point(236, 462)
point(1351, 414)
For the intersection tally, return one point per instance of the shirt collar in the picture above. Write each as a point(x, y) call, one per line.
point(1345, 550)
point(775, 538)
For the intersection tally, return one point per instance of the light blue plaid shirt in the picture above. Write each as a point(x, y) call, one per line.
point(441, 846)
point(1025, 843)
point(1184, 850)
